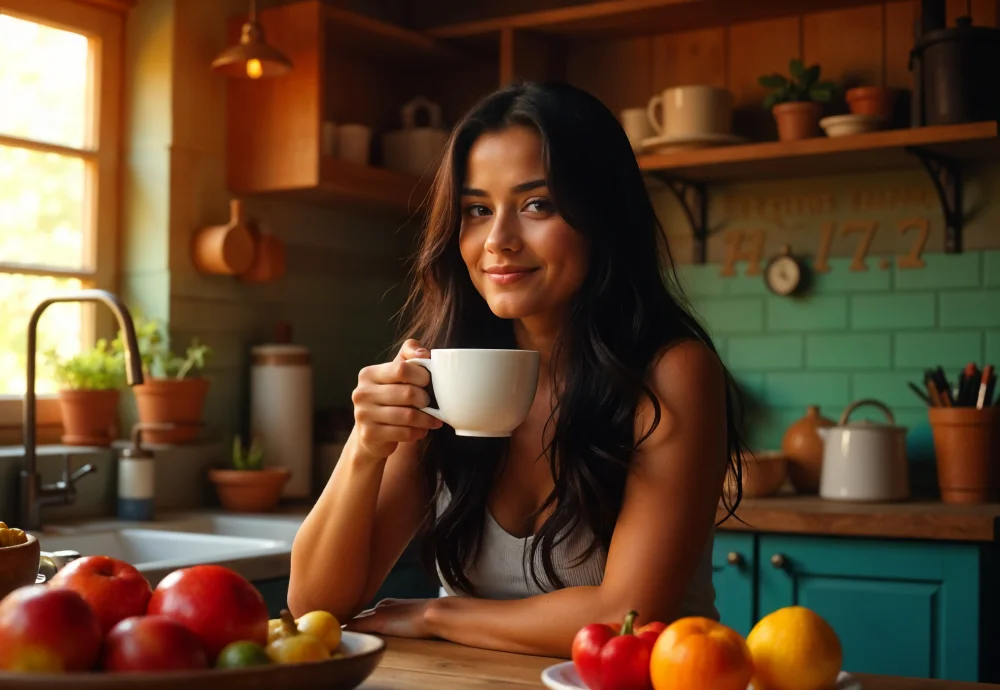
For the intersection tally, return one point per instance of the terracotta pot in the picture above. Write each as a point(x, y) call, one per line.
point(803, 447)
point(88, 417)
point(797, 120)
point(224, 249)
point(250, 491)
point(269, 261)
point(764, 474)
point(171, 401)
point(871, 100)
point(18, 565)
point(967, 449)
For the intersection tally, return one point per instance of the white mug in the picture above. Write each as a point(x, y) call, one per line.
point(636, 125)
point(485, 393)
point(354, 143)
point(684, 111)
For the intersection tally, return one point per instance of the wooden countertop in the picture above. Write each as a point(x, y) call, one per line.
point(794, 514)
point(421, 664)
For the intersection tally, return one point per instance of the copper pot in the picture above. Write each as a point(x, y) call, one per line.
point(803, 447)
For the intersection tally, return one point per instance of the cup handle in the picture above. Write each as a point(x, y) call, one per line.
point(654, 120)
point(428, 365)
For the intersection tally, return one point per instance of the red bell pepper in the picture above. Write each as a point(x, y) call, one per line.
point(610, 659)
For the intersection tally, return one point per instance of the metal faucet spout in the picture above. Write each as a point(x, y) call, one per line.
point(33, 494)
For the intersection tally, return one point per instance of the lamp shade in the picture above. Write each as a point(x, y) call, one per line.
point(253, 57)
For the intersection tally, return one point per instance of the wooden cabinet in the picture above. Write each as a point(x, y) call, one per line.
point(906, 608)
point(347, 69)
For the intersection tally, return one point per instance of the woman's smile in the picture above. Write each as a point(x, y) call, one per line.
point(508, 275)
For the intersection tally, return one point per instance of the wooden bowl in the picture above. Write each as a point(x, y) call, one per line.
point(363, 654)
point(18, 565)
point(764, 473)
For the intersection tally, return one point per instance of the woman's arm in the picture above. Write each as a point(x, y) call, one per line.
point(668, 511)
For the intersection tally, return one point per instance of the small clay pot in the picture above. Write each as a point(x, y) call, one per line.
point(797, 120)
point(967, 450)
point(88, 416)
point(224, 249)
point(18, 565)
point(803, 447)
point(171, 401)
point(871, 100)
point(250, 491)
point(764, 474)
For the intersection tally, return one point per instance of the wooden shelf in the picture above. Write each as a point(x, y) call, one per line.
point(941, 150)
point(882, 150)
point(620, 18)
point(358, 36)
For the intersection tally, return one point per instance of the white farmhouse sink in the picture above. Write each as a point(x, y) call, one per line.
point(279, 528)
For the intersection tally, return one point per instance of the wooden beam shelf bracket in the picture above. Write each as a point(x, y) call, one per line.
point(946, 175)
point(693, 198)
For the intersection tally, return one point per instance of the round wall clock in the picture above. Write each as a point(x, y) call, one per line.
point(785, 275)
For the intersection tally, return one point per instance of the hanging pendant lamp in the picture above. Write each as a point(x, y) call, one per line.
point(253, 58)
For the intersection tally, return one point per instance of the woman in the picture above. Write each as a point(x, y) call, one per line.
point(540, 236)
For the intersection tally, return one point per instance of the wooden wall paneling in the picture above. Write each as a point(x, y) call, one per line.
point(456, 88)
point(690, 57)
point(273, 125)
point(357, 92)
point(757, 48)
point(619, 72)
point(847, 44)
point(900, 18)
point(531, 56)
point(983, 12)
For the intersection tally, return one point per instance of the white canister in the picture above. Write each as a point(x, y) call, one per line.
point(281, 411)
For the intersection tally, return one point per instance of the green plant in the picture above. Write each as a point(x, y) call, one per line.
point(158, 360)
point(99, 368)
point(804, 85)
point(245, 458)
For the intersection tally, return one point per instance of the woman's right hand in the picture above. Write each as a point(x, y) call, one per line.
point(387, 403)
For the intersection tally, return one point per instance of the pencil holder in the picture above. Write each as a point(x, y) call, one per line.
point(967, 451)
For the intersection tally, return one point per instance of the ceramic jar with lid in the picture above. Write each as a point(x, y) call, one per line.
point(803, 447)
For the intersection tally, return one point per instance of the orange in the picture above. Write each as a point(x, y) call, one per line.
point(696, 652)
point(793, 648)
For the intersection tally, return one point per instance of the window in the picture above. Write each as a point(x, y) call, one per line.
point(60, 129)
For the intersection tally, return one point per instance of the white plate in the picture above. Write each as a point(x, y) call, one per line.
point(564, 677)
point(667, 143)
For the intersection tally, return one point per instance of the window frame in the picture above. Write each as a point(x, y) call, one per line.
point(103, 21)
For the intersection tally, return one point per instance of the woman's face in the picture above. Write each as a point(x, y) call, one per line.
point(523, 258)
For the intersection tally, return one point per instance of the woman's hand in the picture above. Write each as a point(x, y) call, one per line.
point(387, 401)
point(395, 618)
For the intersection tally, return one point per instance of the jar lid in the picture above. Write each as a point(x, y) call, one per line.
point(278, 355)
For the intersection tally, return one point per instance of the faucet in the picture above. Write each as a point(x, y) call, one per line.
point(34, 494)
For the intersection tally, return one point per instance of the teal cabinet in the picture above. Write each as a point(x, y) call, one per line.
point(900, 608)
point(734, 566)
point(905, 608)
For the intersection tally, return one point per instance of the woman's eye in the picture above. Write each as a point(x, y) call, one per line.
point(539, 206)
point(476, 210)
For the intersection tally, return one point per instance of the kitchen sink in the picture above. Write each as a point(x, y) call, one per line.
point(278, 528)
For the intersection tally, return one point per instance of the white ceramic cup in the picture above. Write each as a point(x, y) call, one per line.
point(354, 143)
point(636, 125)
point(483, 393)
point(686, 111)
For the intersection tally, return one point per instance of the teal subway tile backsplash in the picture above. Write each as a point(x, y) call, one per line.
point(765, 352)
point(847, 351)
point(890, 311)
point(888, 387)
point(968, 308)
point(942, 271)
point(808, 314)
point(841, 279)
point(991, 268)
point(731, 314)
point(992, 354)
point(743, 284)
point(697, 280)
point(789, 389)
point(938, 348)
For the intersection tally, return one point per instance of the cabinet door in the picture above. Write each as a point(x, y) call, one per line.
point(733, 567)
point(899, 608)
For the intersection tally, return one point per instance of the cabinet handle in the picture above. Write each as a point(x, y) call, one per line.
point(734, 558)
point(778, 561)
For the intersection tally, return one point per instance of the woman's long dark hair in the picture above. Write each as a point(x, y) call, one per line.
point(629, 309)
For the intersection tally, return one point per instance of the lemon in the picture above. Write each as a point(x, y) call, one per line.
point(293, 646)
point(275, 630)
point(794, 648)
point(323, 626)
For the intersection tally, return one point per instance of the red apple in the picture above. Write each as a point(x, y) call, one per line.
point(47, 629)
point(114, 589)
point(218, 605)
point(152, 643)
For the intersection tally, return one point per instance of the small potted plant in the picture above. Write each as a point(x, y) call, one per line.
point(173, 391)
point(88, 395)
point(247, 486)
point(795, 102)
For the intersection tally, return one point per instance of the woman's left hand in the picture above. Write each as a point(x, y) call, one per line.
point(395, 618)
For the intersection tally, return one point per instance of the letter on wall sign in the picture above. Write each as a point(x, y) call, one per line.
point(735, 252)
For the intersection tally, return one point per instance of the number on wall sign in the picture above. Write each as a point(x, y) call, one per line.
point(735, 252)
point(912, 259)
point(867, 228)
point(821, 265)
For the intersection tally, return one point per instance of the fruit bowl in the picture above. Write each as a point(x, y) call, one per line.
point(19, 565)
point(361, 654)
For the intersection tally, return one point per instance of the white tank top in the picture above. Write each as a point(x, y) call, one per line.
point(502, 572)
